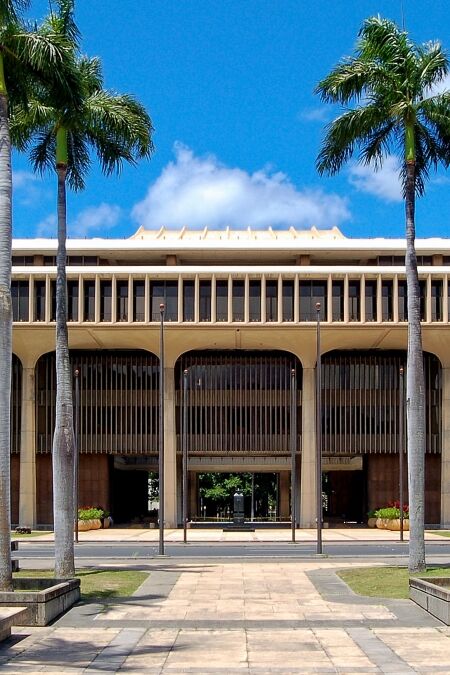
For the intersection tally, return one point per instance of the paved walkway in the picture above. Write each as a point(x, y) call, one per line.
point(260, 534)
point(236, 617)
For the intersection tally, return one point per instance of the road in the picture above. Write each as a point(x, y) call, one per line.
point(38, 554)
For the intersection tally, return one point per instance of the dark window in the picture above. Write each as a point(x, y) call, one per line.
point(188, 300)
point(50, 260)
point(39, 301)
point(205, 301)
point(23, 260)
point(89, 300)
point(139, 300)
point(288, 300)
point(238, 300)
point(122, 300)
point(20, 295)
point(312, 292)
point(164, 292)
point(221, 300)
point(354, 300)
point(254, 300)
point(402, 301)
point(391, 260)
point(72, 300)
point(53, 300)
point(436, 301)
point(424, 260)
point(105, 301)
point(423, 293)
point(338, 300)
point(371, 300)
point(271, 300)
point(387, 301)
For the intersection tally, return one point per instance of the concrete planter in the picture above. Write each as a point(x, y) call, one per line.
point(45, 599)
point(392, 524)
point(371, 522)
point(92, 524)
point(382, 523)
point(395, 525)
point(433, 595)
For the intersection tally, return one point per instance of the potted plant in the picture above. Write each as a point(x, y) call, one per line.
point(388, 518)
point(89, 518)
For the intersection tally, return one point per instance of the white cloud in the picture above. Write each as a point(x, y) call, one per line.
point(200, 191)
point(86, 223)
point(47, 227)
point(321, 114)
point(23, 179)
point(93, 219)
point(28, 188)
point(442, 86)
point(384, 183)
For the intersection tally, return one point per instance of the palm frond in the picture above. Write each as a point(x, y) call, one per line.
point(42, 155)
point(355, 128)
point(10, 10)
point(432, 65)
point(79, 161)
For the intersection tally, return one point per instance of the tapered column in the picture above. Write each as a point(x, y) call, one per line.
point(308, 464)
point(170, 450)
point(27, 497)
point(445, 457)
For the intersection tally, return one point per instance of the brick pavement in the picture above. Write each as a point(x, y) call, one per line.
point(236, 617)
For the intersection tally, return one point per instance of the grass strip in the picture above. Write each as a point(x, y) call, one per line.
point(385, 582)
point(34, 533)
point(440, 533)
point(99, 583)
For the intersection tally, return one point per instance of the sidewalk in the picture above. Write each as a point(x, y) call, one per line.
point(260, 535)
point(236, 617)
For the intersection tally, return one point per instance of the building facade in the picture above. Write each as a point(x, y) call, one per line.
point(241, 319)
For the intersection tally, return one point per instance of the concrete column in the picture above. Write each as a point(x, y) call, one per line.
point(27, 497)
point(445, 457)
point(285, 484)
point(308, 463)
point(170, 450)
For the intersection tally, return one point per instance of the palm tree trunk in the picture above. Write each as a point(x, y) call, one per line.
point(5, 339)
point(415, 389)
point(63, 440)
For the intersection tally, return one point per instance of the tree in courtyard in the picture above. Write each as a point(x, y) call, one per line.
point(390, 84)
point(26, 55)
point(62, 138)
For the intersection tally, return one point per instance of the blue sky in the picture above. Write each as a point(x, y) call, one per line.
point(229, 86)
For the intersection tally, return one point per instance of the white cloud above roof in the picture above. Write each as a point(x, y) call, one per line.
point(201, 191)
point(384, 183)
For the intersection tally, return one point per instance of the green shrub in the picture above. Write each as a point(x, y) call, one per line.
point(389, 513)
point(90, 513)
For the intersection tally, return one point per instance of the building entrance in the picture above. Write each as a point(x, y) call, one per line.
point(345, 498)
point(215, 495)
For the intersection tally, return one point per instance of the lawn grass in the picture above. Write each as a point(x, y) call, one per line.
point(441, 533)
point(385, 582)
point(34, 533)
point(99, 583)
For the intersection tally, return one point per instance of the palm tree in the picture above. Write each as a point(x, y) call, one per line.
point(390, 82)
point(63, 136)
point(25, 54)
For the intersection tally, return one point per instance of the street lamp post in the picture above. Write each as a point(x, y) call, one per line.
point(400, 451)
point(77, 451)
point(293, 438)
point(161, 431)
point(185, 453)
point(319, 433)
